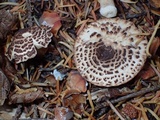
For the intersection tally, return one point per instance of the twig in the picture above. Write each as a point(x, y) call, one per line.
point(155, 70)
point(152, 37)
point(45, 111)
point(20, 19)
point(153, 113)
point(115, 110)
point(9, 3)
point(29, 10)
point(129, 1)
point(135, 94)
point(18, 113)
point(67, 45)
point(90, 101)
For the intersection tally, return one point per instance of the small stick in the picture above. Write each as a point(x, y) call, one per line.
point(9, 3)
point(29, 10)
point(27, 74)
point(135, 94)
point(44, 110)
point(153, 113)
point(115, 110)
point(155, 70)
point(129, 1)
point(151, 39)
point(20, 19)
point(90, 101)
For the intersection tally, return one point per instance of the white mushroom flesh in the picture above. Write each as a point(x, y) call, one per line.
point(107, 8)
point(24, 43)
point(110, 52)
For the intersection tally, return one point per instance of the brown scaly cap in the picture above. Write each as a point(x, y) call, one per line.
point(109, 52)
point(24, 43)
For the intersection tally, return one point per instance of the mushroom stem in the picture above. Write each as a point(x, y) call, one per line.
point(107, 8)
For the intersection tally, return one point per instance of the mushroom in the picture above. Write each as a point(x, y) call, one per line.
point(110, 52)
point(24, 43)
point(107, 8)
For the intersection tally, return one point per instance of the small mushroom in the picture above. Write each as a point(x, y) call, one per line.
point(107, 8)
point(110, 52)
point(24, 43)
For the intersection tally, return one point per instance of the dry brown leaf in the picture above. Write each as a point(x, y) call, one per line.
point(4, 87)
point(51, 18)
point(75, 101)
point(155, 45)
point(147, 72)
point(5, 115)
point(130, 111)
point(50, 79)
point(156, 12)
point(26, 97)
point(7, 20)
point(68, 93)
point(155, 3)
point(62, 113)
point(76, 82)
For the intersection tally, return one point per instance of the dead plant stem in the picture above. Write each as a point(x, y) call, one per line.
point(129, 96)
point(115, 110)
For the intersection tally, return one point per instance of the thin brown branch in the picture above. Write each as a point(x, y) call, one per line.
point(129, 96)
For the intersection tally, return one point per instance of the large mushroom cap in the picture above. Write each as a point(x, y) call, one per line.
point(110, 52)
point(24, 43)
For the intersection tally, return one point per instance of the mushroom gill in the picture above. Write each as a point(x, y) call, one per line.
point(24, 43)
point(110, 52)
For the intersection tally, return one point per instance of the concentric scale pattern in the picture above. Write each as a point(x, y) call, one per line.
point(24, 43)
point(110, 52)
